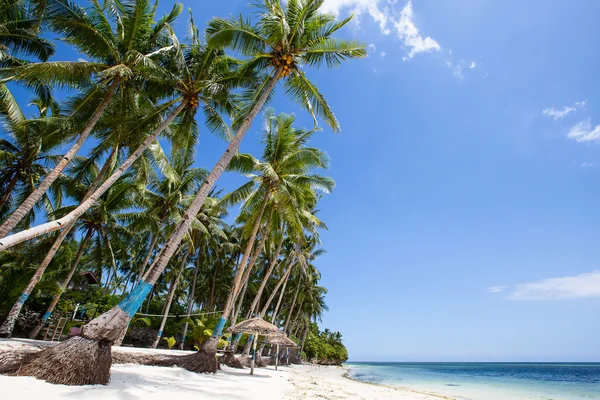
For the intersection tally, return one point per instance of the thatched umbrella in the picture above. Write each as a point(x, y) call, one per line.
point(256, 326)
point(280, 341)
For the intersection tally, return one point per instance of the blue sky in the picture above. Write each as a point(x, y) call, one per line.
point(465, 224)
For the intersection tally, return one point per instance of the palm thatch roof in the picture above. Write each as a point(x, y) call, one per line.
point(257, 326)
point(282, 341)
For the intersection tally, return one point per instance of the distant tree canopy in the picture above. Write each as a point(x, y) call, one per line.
point(324, 347)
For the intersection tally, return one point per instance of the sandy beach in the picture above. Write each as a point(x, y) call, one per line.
point(130, 381)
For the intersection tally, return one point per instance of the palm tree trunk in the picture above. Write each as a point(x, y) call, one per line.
point(170, 299)
point(63, 286)
point(9, 324)
point(304, 338)
point(213, 284)
point(289, 317)
point(263, 284)
point(37, 194)
point(281, 294)
point(283, 280)
point(9, 189)
point(190, 301)
point(295, 320)
point(60, 223)
point(147, 258)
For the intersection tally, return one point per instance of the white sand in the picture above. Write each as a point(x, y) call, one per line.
point(129, 381)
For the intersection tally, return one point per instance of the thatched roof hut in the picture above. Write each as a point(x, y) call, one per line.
point(257, 326)
point(281, 340)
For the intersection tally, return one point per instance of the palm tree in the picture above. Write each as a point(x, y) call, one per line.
point(205, 78)
point(122, 49)
point(19, 37)
point(25, 151)
point(298, 33)
point(102, 220)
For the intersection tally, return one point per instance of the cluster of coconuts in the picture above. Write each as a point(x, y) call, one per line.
point(194, 101)
point(287, 60)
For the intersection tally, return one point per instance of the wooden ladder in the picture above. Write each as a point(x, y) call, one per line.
point(54, 332)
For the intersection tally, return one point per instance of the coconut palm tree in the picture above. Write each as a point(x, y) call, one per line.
point(203, 79)
point(25, 151)
point(19, 37)
point(102, 220)
point(121, 44)
point(301, 34)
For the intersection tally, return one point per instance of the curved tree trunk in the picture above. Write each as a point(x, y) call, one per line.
point(170, 299)
point(61, 223)
point(281, 294)
point(283, 280)
point(147, 258)
point(296, 320)
point(9, 189)
point(263, 284)
point(9, 324)
point(37, 194)
point(190, 301)
point(63, 286)
point(290, 314)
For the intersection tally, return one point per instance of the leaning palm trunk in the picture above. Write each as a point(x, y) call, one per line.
point(289, 317)
point(63, 286)
point(205, 359)
point(246, 280)
point(170, 299)
point(263, 284)
point(92, 349)
point(65, 221)
point(281, 294)
point(147, 258)
point(304, 338)
point(294, 325)
point(282, 281)
point(190, 303)
point(9, 324)
point(37, 194)
point(9, 189)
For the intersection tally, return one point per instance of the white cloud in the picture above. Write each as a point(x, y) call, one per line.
point(568, 287)
point(372, 47)
point(584, 132)
point(473, 65)
point(586, 165)
point(387, 18)
point(496, 289)
point(382, 54)
point(359, 7)
point(566, 110)
point(409, 33)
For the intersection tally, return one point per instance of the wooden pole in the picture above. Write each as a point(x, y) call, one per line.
point(253, 354)
point(277, 358)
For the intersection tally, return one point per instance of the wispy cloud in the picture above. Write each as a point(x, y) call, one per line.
point(411, 36)
point(584, 132)
point(473, 65)
point(382, 54)
point(563, 112)
point(389, 20)
point(568, 287)
point(496, 289)
point(586, 165)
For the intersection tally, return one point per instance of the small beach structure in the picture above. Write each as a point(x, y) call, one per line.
point(280, 341)
point(256, 326)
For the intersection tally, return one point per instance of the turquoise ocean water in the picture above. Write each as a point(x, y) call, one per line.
point(488, 381)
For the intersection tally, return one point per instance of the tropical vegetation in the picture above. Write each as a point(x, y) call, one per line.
point(107, 215)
